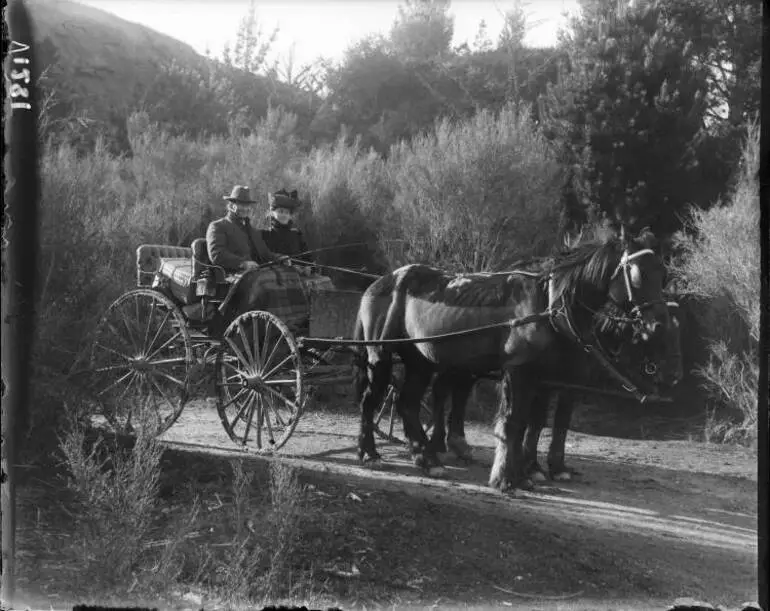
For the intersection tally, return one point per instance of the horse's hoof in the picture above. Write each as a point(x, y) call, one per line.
point(562, 476)
point(500, 482)
point(375, 464)
point(526, 484)
point(461, 448)
point(537, 476)
point(437, 471)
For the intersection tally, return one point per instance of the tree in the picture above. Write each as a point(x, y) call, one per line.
point(726, 39)
point(423, 30)
point(251, 46)
point(627, 116)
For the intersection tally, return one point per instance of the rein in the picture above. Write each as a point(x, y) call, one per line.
point(515, 322)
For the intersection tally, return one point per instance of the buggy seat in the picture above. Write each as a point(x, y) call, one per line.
point(179, 266)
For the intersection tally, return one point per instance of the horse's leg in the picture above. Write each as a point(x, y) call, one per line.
point(510, 424)
point(561, 421)
point(462, 387)
point(417, 377)
point(440, 392)
point(537, 420)
point(378, 374)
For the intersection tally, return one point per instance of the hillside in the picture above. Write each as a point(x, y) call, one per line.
point(97, 56)
point(99, 62)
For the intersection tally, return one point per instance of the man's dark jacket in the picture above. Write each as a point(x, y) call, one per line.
point(231, 242)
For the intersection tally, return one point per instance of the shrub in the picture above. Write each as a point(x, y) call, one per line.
point(477, 194)
point(720, 268)
point(350, 202)
point(117, 492)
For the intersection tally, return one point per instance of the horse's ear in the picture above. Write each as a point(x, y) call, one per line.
point(647, 239)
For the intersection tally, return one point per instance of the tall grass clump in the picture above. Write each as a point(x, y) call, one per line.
point(264, 545)
point(116, 494)
point(477, 194)
point(720, 269)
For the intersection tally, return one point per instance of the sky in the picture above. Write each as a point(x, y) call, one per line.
point(310, 29)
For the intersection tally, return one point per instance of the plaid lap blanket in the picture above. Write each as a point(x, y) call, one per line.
point(277, 290)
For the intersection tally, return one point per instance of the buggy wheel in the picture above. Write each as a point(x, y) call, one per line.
point(260, 387)
point(386, 416)
point(135, 370)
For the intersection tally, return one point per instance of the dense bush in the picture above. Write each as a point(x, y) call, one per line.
point(720, 269)
point(476, 194)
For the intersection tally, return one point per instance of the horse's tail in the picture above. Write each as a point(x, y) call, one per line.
point(360, 362)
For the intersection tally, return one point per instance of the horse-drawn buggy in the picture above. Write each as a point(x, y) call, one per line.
point(270, 335)
point(160, 344)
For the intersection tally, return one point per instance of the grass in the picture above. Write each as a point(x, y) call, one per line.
point(136, 532)
point(230, 535)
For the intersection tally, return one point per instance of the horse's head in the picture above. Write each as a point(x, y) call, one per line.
point(636, 288)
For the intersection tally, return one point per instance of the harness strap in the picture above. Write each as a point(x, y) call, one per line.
point(596, 349)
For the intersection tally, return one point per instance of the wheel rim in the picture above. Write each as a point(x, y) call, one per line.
point(260, 389)
point(136, 370)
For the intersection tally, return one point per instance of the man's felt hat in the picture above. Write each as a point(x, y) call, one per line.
point(284, 199)
point(239, 195)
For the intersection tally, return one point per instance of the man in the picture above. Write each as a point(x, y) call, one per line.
point(232, 242)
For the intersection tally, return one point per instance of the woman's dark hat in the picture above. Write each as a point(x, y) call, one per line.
point(284, 199)
point(240, 195)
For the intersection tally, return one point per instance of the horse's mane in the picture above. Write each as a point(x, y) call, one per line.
point(584, 271)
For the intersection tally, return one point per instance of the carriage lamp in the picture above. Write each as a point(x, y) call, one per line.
point(206, 285)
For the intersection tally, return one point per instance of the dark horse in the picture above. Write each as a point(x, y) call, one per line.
point(623, 278)
point(614, 336)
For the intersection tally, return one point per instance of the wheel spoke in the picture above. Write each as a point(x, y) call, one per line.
point(266, 362)
point(170, 378)
point(124, 320)
point(287, 401)
point(280, 382)
point(180, 360)
point(275, 411)
point(160, 390)
point(255, 345)
point(115, 383)
point(265, 344)
point(246, 348)
point(166, 343)
point(252, 403)
point(110, 368)
point(233, 400)
point(237, 351)
point(122, 338)
point(157, 333)
point(278, 366)
point(149, 324)
point(384, 405)
point(125, 390)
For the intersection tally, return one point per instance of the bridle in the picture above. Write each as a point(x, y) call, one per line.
point(594, 345)
point(624, 266)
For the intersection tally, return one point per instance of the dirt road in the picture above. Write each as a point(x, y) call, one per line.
point(680, 516)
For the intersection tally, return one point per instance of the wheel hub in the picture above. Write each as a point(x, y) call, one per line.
point(139, 363)
point(252, 381)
